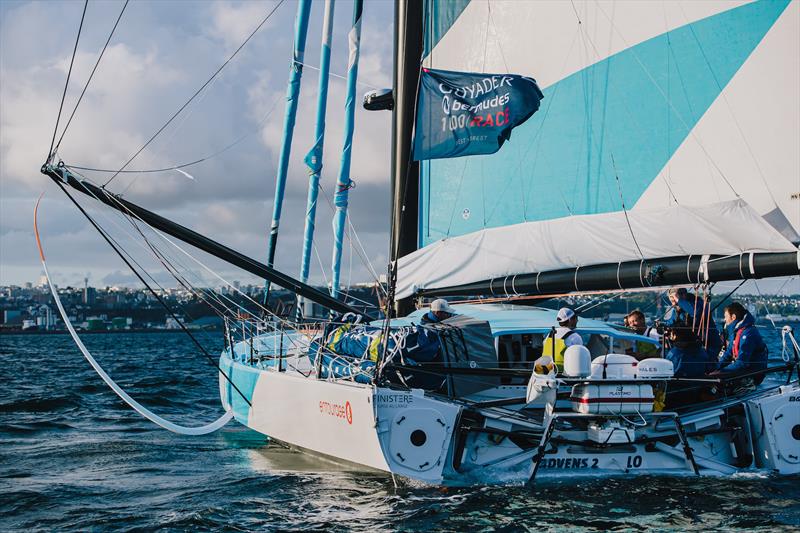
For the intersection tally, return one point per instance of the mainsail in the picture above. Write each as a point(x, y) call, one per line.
point(653, 113)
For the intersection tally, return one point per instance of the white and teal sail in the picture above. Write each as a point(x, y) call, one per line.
point(660, 108)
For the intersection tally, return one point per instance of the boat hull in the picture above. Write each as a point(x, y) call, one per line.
point(432, 439)
point(334, 419)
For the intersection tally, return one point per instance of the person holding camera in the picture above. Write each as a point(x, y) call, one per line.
point(685, 306)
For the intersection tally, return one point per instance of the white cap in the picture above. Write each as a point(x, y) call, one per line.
point(442, 305)
point(564, 314)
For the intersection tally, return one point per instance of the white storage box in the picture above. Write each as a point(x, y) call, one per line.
point(612, 399)
point(616, 365)
point(655, 368)
point(610, 433)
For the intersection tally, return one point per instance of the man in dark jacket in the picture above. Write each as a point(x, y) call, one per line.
point(689, 358)
point(690, 361)
point(746, 351)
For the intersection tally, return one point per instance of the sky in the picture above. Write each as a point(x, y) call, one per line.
point(159, 55)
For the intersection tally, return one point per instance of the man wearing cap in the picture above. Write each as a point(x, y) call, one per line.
point(562, 337)
point(440, 310)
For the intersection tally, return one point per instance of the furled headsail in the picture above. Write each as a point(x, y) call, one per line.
point(667, 134)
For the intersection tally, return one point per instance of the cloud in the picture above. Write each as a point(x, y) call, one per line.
point(160, 54)
point(233, 22)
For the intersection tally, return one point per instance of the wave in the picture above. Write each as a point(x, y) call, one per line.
point(40, 405)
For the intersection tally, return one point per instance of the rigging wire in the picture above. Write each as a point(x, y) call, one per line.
point(190, 163)
point(277, 318)
point(497, 36)
point(669, 103)
point(725, 298)
point(86, 86)
point(358, 82)
point(769, 315)
point(729, 107)
point(123, 209)
point(66, 85)
point(154, 250)
point(362, 253)
point(624, 210)
point(213, 76)
point(591, 304)
point(125, 213)
point(152, 291)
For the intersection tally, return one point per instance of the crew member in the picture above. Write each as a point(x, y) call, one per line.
point(746, 352)
point(561, 337)
point(689, 358)
point(642, 349)
point(440, 310)
point(685, 306)
point(690, 361)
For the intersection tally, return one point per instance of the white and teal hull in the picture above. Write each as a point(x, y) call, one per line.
point(433, 439)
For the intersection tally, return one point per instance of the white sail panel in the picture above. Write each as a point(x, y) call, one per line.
point(625, 86)
point(725, 228)
point(544, 39)
point(747, 142)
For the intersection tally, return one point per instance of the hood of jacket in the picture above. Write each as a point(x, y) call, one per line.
point(745, 322)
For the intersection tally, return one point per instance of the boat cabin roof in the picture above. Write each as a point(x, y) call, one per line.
point(508, 319)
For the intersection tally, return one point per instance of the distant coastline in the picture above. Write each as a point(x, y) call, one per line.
point(8, 331)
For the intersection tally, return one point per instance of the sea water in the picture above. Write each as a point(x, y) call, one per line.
point(73, 456)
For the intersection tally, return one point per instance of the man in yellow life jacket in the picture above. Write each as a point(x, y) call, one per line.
point(561, 337)
point(642, 349)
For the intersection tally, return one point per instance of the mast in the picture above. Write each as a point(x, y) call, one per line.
point(63, 177)
point(314, 157)
point(292, 96)
point(408, 45)
point(343, 182)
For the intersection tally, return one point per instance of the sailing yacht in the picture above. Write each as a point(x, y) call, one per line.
point(662, 154)
point(631, 116)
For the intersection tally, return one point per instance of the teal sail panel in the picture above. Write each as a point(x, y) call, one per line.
point(440, 15)
point(636, 106)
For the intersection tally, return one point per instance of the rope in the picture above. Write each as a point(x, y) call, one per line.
point(168, 122)
point(786, 331)
point(66, 85)
point(139, 408)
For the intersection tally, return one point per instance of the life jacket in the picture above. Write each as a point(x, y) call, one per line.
point(736, 339)
point(646, 349)
point(554, 346)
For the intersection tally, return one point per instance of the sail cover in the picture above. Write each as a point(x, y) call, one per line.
point(647, 105)
point(584, 240)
